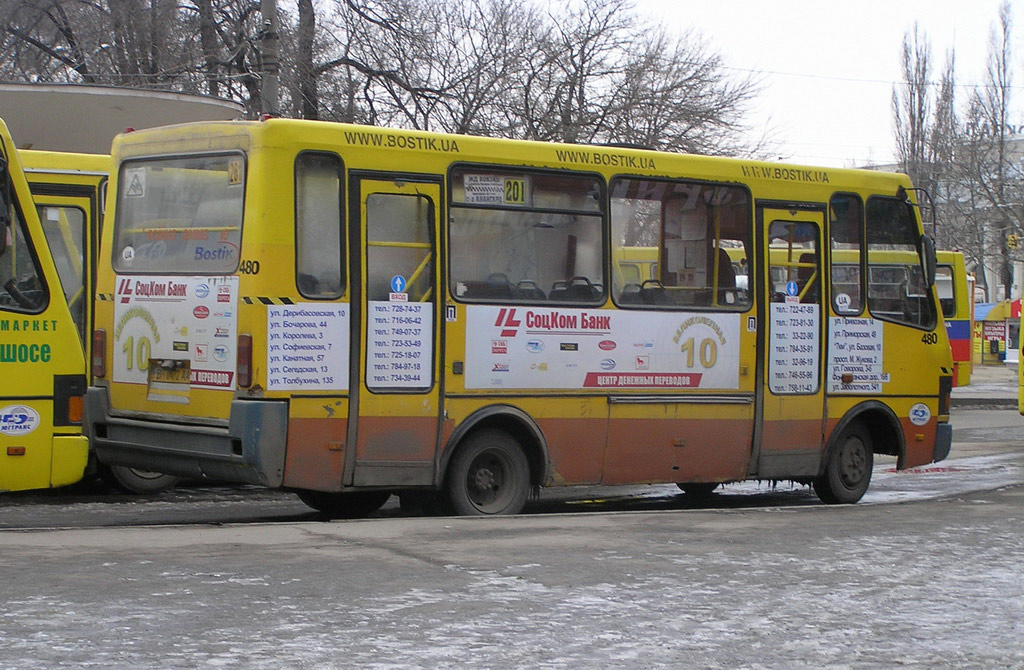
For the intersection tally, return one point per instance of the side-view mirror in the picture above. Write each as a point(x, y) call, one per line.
point(930, 260)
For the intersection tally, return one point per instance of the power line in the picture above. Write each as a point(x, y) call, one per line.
point(855, 80)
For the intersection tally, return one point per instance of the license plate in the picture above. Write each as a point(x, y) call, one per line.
point(169, 371)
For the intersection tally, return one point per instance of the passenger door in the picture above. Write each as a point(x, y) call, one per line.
point(395, 404)
point(790, 402)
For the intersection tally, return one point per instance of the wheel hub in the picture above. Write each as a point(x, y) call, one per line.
point(484, 480)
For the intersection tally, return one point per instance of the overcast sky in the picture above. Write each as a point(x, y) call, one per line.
point(828, 67)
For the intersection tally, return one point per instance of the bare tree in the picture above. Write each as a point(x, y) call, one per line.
point(586, 72)
point(911, 107)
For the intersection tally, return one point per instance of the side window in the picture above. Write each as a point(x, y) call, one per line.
point(398, 242)
point(793, 257)
point(22, 288)
point(693, 239)
point(947, 290)
point(319, 237)
point(64, 228)
point(846, 216)
point(897, 290)
point(526, 237)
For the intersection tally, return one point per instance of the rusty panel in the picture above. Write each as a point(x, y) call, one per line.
point(396, 438)
point(792, 435)
point(576, 449)
point(677, 450)
point(920, 450)
point(316, 454)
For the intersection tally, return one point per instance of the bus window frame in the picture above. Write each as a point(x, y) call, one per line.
point(917, 250)
point(19, 219)
point(601, 211)
point(750, 252)
point(115, 256)
point(862, 260)
point(342, 222)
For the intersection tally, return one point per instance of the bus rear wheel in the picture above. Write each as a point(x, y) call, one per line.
point(848, 470)
point(489, 474)
point(352, 505)
point(133, 480)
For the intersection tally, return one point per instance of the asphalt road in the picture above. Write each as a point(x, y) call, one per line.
point(924, 573)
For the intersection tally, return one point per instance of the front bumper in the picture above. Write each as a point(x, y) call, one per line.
point(943, 441)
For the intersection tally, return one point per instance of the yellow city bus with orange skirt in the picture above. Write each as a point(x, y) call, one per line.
point(352, 312)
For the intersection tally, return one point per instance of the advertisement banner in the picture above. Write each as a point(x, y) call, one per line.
point(559, 348)
point(163, 321)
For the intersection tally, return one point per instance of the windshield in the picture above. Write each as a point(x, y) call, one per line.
point(180, 215)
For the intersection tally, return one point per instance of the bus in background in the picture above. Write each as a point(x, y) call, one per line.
point(69, 191)
point(42, 361)
point(955, 298)
point(352, 312)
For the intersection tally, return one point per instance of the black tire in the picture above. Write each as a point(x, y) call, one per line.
point(133, 480)
point(698, 490)
point(848, 470)
point(489, 474)
point(353, 505)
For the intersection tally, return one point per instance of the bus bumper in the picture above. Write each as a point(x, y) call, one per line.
point(250, 450)
point(943, 441)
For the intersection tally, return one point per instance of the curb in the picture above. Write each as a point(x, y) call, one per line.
point(986, 403)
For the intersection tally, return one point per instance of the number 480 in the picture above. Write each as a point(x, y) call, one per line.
point(930, 338)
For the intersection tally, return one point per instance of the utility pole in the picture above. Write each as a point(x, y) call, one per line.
point(271, 58)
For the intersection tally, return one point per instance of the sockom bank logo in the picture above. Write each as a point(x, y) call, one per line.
point(18, 420)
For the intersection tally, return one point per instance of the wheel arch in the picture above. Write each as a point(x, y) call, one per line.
point(883, 427)
point(513, 421)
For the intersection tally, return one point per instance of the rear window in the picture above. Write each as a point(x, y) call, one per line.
point(180, 215)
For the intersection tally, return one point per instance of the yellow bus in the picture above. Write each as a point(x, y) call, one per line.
point(353, 312)
point(42, 362)
point(68, 190)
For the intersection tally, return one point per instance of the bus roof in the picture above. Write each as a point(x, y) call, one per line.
point(241, 135)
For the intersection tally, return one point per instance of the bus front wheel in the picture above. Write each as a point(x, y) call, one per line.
point(848, 470)
point(352, 505)
point(488, 475)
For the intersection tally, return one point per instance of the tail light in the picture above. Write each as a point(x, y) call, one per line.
point(245, 360)
point(99, 353)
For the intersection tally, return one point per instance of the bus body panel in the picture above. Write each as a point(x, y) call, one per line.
point(41, 354)
point(579, 425)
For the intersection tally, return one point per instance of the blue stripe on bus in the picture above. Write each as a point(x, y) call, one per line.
point(958, 330)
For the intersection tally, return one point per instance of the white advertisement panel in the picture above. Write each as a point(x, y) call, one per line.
point(398, 339)
point(164, 318)
point(541, 348)
point(855, 348)
point(793, 353)
point(307, 347)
